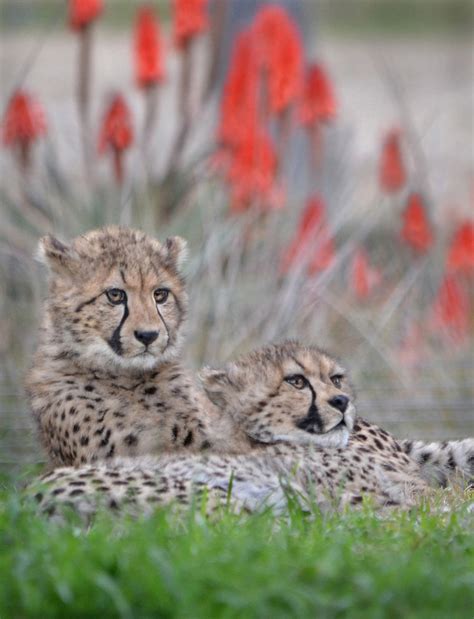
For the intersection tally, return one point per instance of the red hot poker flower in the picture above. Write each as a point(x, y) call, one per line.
point(451, 310)
point(23, 123)
point(24, 120)
point(318, 103)
point(392, 174)
point(239, 99)
point(190, 19)
point(149, 67)
point(363, 277)
point(252, 171)
point(116, 133)
point(280, 55)
point(83, 12)
point(312, 244)
point(461, 251)
point(416, 229)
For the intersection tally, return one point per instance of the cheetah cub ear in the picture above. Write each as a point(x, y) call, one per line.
point(59, 257)
point(174, 252)
point(220, 385)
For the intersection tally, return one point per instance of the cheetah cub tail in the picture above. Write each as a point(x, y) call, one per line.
point(440, 461)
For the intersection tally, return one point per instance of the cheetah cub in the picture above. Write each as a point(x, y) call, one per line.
point(295, 405)
point(106, 378)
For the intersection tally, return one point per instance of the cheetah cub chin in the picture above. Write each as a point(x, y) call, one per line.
point(105, 379)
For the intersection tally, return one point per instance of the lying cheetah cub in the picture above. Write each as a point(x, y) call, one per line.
point(106, 380)
point(295, 405)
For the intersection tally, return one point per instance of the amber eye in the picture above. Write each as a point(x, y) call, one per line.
point(115, 295)
point(296, 380)
point(161, 295)
point(337, 380)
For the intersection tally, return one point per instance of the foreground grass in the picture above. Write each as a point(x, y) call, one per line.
point(355, 565)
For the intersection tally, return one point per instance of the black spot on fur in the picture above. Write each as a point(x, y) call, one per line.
point(378, 444)
point(75, 428)
point(105, 440)
point(175, 431)
point(130, 439)
point(188, 439)
point(89, 388)
point(84, 440)
point(150, 390)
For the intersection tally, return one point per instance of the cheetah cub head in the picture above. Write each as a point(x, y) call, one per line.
point(285, 393)
point(116, 300)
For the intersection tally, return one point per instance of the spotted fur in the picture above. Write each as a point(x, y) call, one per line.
point(441, 462)
point(297, 441)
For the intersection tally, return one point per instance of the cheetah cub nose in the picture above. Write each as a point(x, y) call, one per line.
point(340, 402)
point(146, 337)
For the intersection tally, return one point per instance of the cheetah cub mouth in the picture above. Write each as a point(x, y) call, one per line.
point(286, 393)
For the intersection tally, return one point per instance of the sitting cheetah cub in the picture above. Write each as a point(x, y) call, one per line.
point(295, 405)
point(105, 379)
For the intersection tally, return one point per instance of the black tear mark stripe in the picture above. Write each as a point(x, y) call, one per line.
point(313, 411)
point(81, 305)
point(164, 323)
point(115, 343)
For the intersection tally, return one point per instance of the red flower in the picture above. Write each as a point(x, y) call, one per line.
point(116, 133)
point(252, 171)
point(190, 19)
point(318, 101)
point(416, 229)
point(24, 120)
point(392, 173)
point(312, 244)
point(239, 99)
point(451, 309)
point(280, 55)
point(461, 251)
point(23, 123)
point(363, 277)
point(83, 12)
point(149, 67)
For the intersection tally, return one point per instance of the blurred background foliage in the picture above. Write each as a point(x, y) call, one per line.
point(346, 231)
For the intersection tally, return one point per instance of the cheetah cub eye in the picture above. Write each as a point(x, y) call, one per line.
point(337, 380)
point(116, 296)
point(296, 380)
point(161, 295)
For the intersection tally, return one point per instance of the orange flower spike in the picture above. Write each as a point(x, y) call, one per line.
point(461, 251)
point(190, 19)
point(364, 278)
point(252, 170)
point(84, 12)
point(392, 174)
point(149, 60)
point(324, 253)
point(312, 242)
point(318, 102)
point(116, 133)
point(239, 99)
point(451, 309)
point(280, 55)
point(23, 123)
point(416, 229)
point(360, 274)
point(24, 120)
